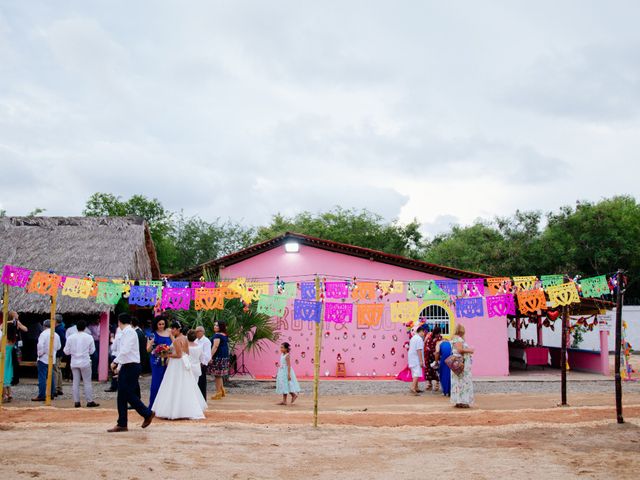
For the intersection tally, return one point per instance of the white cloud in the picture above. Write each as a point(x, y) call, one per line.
point(427, 110)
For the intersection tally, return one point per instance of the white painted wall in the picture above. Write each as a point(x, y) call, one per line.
point(630, 313)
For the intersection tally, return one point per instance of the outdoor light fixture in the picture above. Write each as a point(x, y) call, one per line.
point(292, 247)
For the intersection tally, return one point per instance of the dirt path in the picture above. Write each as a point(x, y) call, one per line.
point(388, 436)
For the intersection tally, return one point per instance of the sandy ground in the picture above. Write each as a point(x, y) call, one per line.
point(360, 436)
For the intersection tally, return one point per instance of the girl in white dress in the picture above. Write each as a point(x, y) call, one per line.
point(179, 395)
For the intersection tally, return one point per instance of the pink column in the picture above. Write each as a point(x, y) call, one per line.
point(518, 329)
point(604, 352)
point(103, 362)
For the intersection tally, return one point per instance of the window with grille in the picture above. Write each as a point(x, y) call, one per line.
point(434, 315)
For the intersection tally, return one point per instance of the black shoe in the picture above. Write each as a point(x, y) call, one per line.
point(92, 404)
point(110, 390)
point(38, 399)
point(77, 404)
point(59, 393)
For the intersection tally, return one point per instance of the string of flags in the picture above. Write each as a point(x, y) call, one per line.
point(471, 298)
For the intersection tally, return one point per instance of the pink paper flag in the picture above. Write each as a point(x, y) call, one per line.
point(338, 312)
point(15, 276)
point(501, 305)
point(176, 298)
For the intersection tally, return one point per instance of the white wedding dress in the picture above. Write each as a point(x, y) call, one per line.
point(179, 395)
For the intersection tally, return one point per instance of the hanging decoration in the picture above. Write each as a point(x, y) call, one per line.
point(472, 287)
point(525, 283)
point(288, 290)
point(390, 287)
point(336, 290)
point(469, 307)
point(201, 284)
point(307, 310)
point(595, 286)
point(176, 298)
point(272, 305)
point(450, 287)
point(338, 312)
point(15, 276)
point(404, 312)
point(551, 280)
point(44, 283)
point(499, 285)
point(109, 293)
point(364, 291)
point(370, 314)
point(143, 296)
point(565, 294)
point(209, 298)
point(501, 305)
point(77, 287)
point(177, 284)
point(308, 291)
point(530, 301)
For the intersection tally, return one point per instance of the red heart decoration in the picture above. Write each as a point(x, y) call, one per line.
point(553, 314)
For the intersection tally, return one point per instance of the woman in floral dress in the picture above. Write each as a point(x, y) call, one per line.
point(461, 385)
point(430, 354)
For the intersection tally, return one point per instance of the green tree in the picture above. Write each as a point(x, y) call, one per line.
point(159, 219)
point(356, 227)
point(196, 241)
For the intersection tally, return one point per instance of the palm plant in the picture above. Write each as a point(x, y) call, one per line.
point(248, 330)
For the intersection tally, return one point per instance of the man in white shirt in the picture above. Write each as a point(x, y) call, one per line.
point(72, 330)
point(80, 346)
point(416, 357)
point(127, 365)
point(201, 339)
point(43, 360)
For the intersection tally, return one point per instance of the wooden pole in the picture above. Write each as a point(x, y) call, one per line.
point(316, 357)
point(3, 344)
point(51, 359)
point(563, 356)
point(618, 379)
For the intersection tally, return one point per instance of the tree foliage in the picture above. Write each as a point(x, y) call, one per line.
point(355, 227)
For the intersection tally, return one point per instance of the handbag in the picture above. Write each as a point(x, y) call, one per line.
point(455, 364)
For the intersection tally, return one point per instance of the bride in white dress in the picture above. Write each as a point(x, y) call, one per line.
point(179, 395)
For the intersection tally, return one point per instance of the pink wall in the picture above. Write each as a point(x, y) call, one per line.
point(379, 351)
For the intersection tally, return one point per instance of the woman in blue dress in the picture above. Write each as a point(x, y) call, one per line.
point(443, 350)
point(161, 336)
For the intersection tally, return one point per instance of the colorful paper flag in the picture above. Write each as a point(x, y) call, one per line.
point(336, 289)
point(370, 314)
point(77, 287)
point(551, 280)
point(565, 294)
point(176, 298)
point(307, 310)
point(450, 287)
point(499, 285)
point(530, 301)
point(525, 283)
point(209, 298)
point(404, 312)
point(44, 283)
point(469, 307)
point(15, 276)
point(472, 287)
point(109, 293)
point(308, 291)
point(272, 305)
point(338, 312)
point(364, 291)
point(501, 305)
point(595, 286)
point(143, 296)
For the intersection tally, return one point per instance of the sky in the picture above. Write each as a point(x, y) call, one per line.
point(441, 111)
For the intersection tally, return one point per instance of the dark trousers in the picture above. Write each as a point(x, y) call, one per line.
point(42, 380)
point(127, 387)
point(202, 381)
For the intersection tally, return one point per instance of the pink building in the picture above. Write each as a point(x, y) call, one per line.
point(378, 351)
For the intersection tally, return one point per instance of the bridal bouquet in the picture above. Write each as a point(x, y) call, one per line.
point(161, 352)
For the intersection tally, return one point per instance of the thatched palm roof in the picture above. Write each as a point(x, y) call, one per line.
point(104, 246)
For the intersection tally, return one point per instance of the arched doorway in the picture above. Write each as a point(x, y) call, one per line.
point(437, 313)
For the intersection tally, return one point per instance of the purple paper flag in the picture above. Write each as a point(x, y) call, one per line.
point(203, 284)
point(143, 296)
point(338, 312)
point(501, 305)
point(176, 284)
point(15, 276)
point(308, 291)
point(448, 286)
point(472, 287)
point(307, 310)
point(176, 298)
point(469, 307)
point(336, 289)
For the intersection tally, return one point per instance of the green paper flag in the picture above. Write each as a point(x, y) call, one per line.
point(426, 290)
point(551, 280)
point(290, 290)
point(595, 286)
point(109, 293)
point(272, 305)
